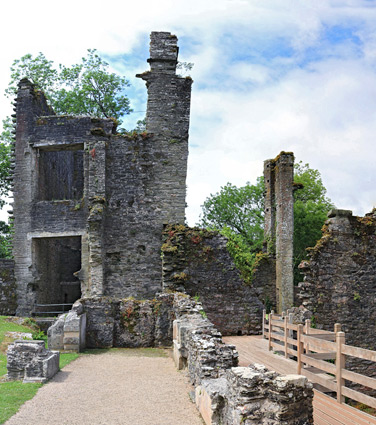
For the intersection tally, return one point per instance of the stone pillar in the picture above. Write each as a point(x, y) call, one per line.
point(279, 223)
point(29, 104)
point(269, 216)
point(167, 117)
point(95, 223)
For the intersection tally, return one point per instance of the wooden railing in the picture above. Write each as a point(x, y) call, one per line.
point(50, 309)
point(320, 355)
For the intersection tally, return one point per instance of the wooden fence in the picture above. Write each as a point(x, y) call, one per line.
point(320, 355)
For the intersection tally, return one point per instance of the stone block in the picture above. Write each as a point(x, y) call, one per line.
point(55, 334)
point(30, 361)
point(209, 398)
point(179, 360)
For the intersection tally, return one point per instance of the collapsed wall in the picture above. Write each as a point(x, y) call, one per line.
point(196, 261)
point(340, 279)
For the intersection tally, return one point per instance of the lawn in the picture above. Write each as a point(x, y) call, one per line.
point(14, 394)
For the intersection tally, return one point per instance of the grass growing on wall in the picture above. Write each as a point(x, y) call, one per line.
point(14, 394)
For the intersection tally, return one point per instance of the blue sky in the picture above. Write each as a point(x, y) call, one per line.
point(269, 75)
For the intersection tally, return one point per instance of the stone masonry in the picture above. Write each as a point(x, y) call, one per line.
point(279, 223)
point(340, 281)
point(30, 361)
point(90, 204)
point(8, 298)
point(196, 261)
point(229, 395)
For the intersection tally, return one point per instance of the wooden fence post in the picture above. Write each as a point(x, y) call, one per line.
point(300, 348)
point(307, 328)
point(340, 364)
point(285, 336)
point(263, 322)
point(337, 327)
point(291, 332)
point(270, 330)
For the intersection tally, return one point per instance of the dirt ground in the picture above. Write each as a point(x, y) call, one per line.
point(118, 387)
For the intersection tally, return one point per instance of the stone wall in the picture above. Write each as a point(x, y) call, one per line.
point(126, 322)
point(230, 395)
point(8, 298)
point(252, 395)
point(74, 177)
point(196, 262)
point(340, 279)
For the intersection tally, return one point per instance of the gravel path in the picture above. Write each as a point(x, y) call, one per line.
point(113, 388)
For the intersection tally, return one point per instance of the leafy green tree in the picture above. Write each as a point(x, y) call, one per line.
point(238, 213)
point(87, 88)
point(239, 210)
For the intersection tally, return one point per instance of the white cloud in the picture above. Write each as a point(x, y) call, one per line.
point(268, 77)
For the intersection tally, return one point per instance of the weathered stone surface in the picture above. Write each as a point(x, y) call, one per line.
point(30, 361)
point(279, 223)
point(251, 395)
point(69, 330)
point(129, 322)
point(200, 344)
point(340, 280)
point(8, 295)
point(197, 262)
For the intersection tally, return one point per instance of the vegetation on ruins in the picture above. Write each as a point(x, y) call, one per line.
point(238, 213)
point(87, 88)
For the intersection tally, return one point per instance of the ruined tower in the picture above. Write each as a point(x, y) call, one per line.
point(89, 204)
point(279, 223)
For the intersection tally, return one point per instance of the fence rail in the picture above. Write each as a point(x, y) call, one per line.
point(320, 355)
point(50, 309)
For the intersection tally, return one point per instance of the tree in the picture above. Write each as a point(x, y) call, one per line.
point(238, 213)
point(239, 210)
point(87, 88)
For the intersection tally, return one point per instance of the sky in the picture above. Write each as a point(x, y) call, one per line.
point(269, 76)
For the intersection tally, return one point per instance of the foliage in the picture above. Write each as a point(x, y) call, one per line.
point(5, 240)
point(87, 88)
point(238, 213)
point(310, 212)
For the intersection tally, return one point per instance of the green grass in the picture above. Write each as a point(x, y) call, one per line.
point(14, 394)
point(66, 358)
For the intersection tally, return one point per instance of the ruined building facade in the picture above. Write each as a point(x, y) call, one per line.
point(89, 204)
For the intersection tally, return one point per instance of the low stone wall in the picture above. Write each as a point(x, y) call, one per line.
point(252, 395)
point(30, 361)
point(8, 293)
point(114, 322)
point(198, 344)
point(230, 395)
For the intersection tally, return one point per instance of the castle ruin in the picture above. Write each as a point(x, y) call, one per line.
point(89, 204)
